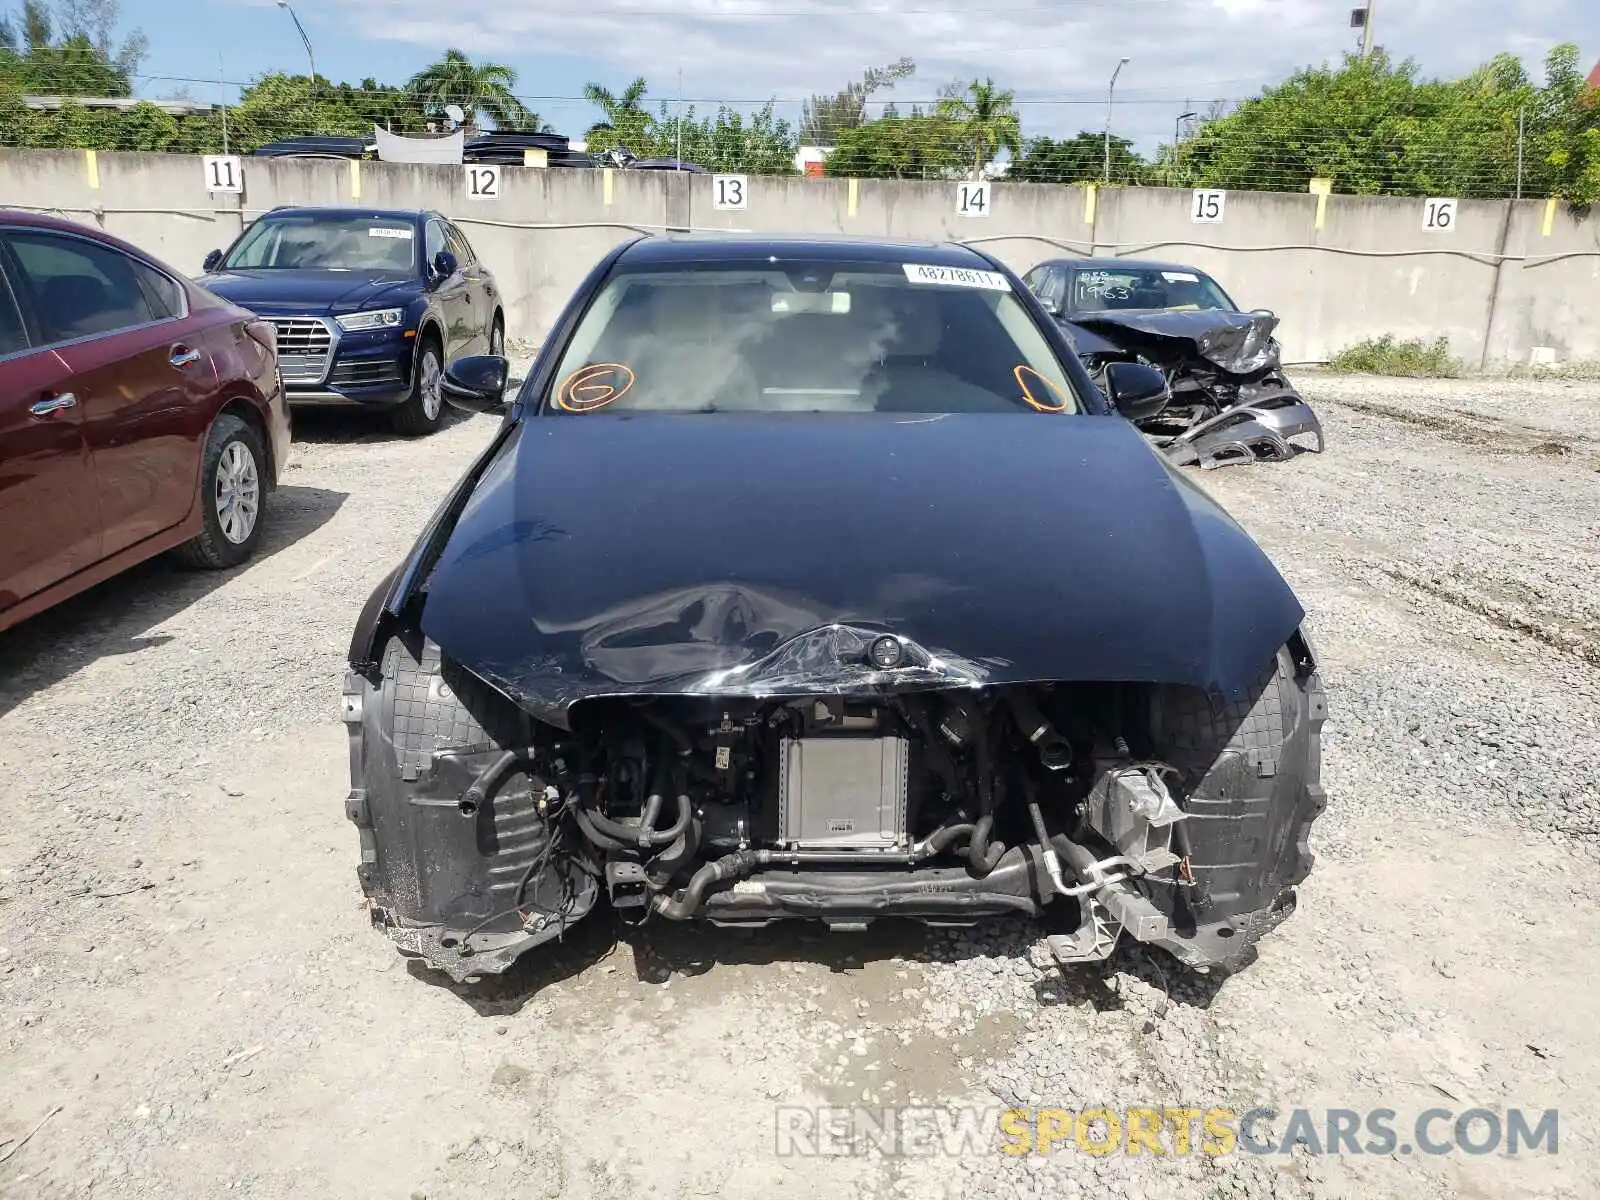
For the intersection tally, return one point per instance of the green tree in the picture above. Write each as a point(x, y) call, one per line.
point(1566, 139)
point(728, 143)
point(1077, 159)
point(82, 61)
point(918, 146)
point(987, 119)
point(480, 89)
point(97, 22)
point(625, 122)
point(1374, 127)
point(825, 118)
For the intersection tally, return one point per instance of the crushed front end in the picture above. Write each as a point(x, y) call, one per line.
point(1231, 402)
point(849, 775)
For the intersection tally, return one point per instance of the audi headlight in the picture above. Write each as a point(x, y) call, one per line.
point(377, 318)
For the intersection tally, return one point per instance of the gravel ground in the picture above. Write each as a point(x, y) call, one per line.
point(193, 1004)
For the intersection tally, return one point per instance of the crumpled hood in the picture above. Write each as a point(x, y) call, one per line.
point(311, 293)
point(1239, 343)
point(694, 553)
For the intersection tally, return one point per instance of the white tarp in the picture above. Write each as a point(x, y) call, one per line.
point(394, 148)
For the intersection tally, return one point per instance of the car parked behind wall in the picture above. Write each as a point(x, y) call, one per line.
point(138, 413)
point(368, 303)
point(1231, 402)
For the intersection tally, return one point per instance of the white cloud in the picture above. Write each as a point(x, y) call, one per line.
point(1056, 54)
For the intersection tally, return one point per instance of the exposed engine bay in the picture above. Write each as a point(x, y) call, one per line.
point(1231, 402)
point(486, 832)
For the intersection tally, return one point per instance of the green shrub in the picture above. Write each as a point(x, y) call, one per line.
point(1386, 356)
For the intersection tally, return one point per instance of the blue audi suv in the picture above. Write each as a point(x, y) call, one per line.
point(369, 304)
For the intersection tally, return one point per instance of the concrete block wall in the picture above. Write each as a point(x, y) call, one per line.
point(1508, 277)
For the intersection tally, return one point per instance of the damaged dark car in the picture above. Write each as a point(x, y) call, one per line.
point(817, 579)
point(1231, 402)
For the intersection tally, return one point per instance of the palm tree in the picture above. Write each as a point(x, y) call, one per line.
point(988, 121)
point(626, 124)
point(479, 89)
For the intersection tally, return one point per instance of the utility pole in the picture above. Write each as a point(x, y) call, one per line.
point(1366, 30)
point(1110, 90)
point(222, 94)
point(1522, 133)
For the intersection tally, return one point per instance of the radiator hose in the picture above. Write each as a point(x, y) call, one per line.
point(603, 831)
point(982, 854)
point(730, 866)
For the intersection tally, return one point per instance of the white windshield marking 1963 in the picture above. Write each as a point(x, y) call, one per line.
point(991, 281)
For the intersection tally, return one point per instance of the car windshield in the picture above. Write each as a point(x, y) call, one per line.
point(312, 242)
point(1170, 289)
point(809, 337)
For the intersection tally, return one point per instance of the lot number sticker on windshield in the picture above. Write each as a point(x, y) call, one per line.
point(1438, 214)
point(991, 281)
point(224, 173)
point(1208, 206)
point(730, 193)
point(972, 199)
point(483, 182)
point(390, 232)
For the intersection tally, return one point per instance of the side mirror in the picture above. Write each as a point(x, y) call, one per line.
point(1138, 392)
point(477, 383)
point(212, 261)
point(444, 265)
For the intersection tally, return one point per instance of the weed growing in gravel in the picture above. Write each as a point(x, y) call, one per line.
point(1387, 356)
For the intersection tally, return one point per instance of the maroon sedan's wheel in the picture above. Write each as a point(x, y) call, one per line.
point(232, 492)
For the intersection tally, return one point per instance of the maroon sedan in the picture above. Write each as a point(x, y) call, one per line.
point(139, 413)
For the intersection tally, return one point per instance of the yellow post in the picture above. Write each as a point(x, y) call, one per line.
point(609, 184)
point(91, 167)
point(855, 195)
point(1321, 189)
point(1090, 191)
point(1544, 231)
point(355, 179)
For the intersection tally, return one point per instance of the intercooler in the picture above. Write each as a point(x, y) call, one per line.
point(842, 793)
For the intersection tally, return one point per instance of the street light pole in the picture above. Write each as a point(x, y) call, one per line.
point(1110, 89)
point(1366, 31)
point(284, 4)
point(1177, 142)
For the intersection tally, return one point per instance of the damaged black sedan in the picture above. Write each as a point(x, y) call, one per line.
point(1231, 402)
point(817, 579)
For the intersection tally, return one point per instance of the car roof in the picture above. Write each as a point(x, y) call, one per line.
point(18, 218)
point(341, 210)
point(745, 247)
point(1122, 264)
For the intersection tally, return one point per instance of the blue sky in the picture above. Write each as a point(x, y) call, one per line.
point(1056, 54)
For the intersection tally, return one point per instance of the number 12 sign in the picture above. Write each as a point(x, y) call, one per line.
point(483, 182)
